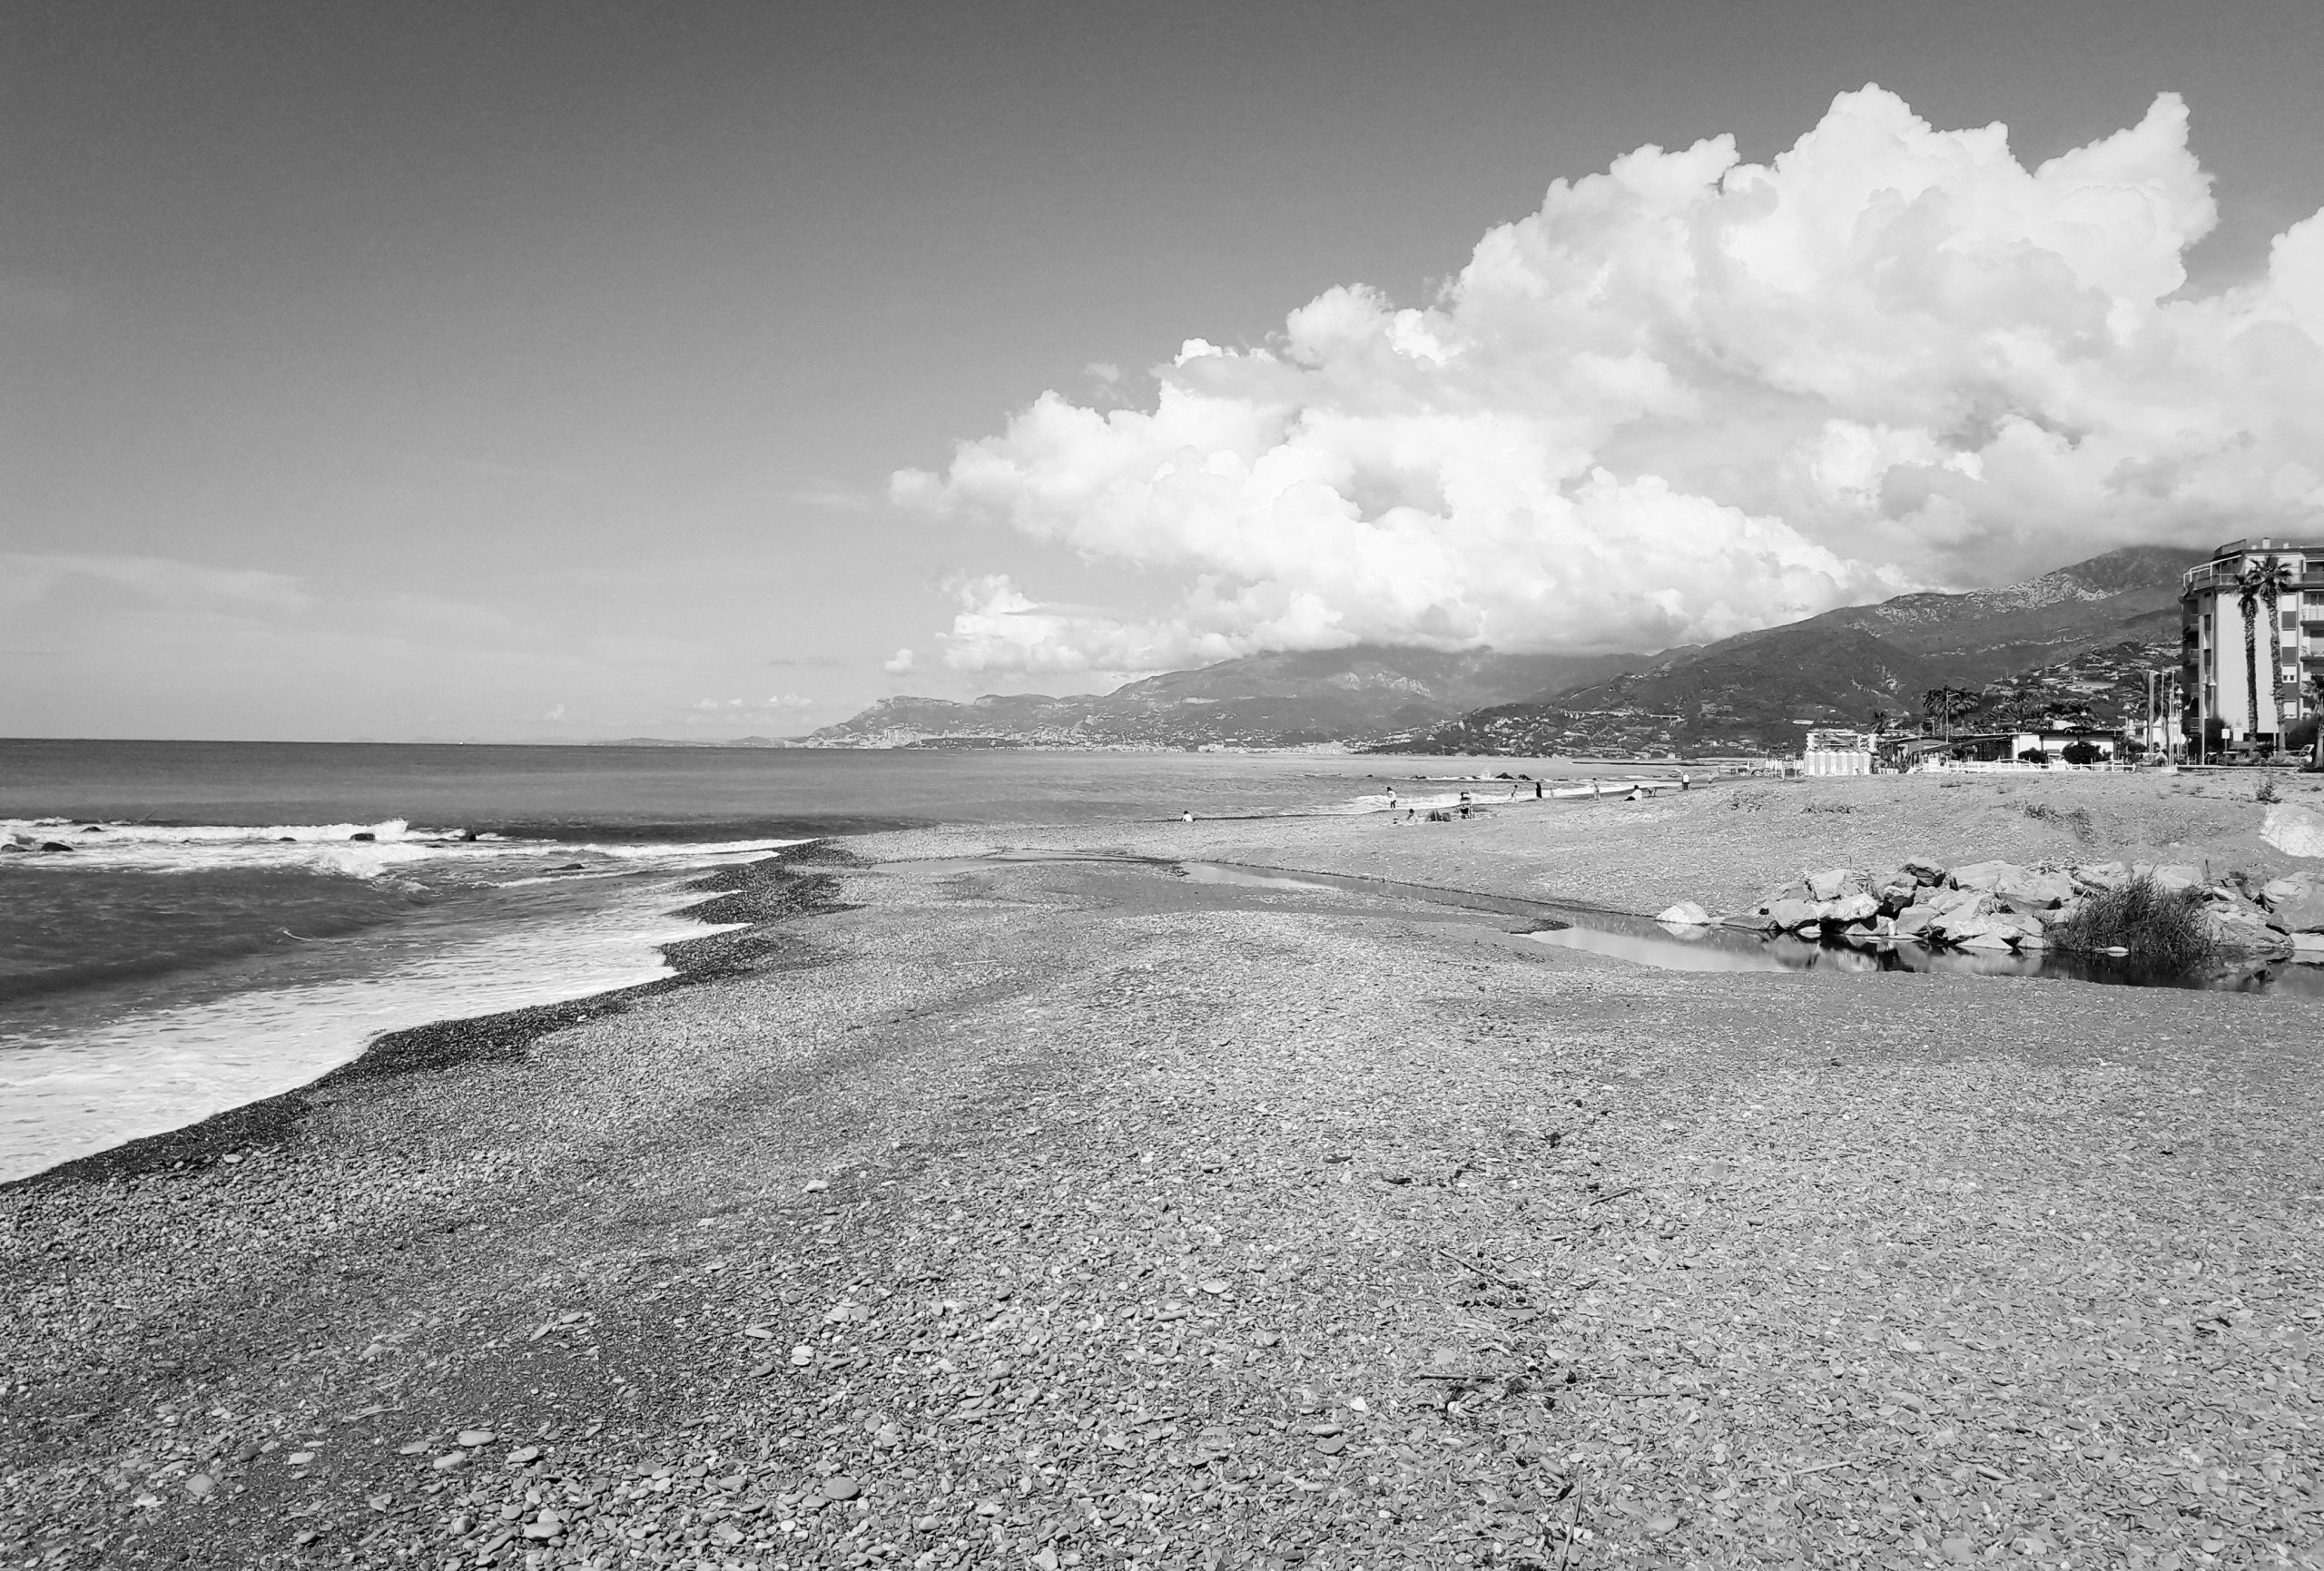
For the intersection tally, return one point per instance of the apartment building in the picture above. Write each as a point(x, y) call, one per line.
point(2274, 591)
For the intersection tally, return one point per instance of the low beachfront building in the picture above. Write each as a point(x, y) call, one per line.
point(1830, 753)
point(2251, 642)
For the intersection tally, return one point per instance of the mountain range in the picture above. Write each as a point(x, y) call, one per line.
point(1290, 700)
point(1753, 692)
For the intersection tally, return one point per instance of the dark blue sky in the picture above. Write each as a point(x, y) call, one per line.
point(503, 370)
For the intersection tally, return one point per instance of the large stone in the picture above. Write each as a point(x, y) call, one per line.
point(1793, 915)
point(1913, 920)
point(1832, 884)
point(1983, 875)
point(2031, 891)
point(2170, 876)
point(1894, 890)
point(1971, 902)
point(2095, 877)
point(2240, 930)
point(1684, 914)
point(1960, 927)
point(1927, 869)
point(2308, 948)
point(2293, 830)
point(1855, 908)
point(2297, 903)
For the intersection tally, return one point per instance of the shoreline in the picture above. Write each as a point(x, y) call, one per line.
point(760, 893)
point(1063, 1209)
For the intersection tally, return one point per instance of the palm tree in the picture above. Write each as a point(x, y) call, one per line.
point(2275, 577)
point(2247, 600)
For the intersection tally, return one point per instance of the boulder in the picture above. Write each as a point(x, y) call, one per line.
point(1793, 915)
point(1960, 927)
point(1894, 889)
point(2095, 877)
point(1855, 908)
point(2241, 931)
point(2296, 903)
point(1913, 920)
point(1832, 884)
point(1749, 921)
point(1925, 870)
point(1988, 938)
point(1974, 902)
point(2170, 875)
point(1983, 875)
point(2028, 889)
point(2308, 948)
point(2293, 830)
point(1684, 914)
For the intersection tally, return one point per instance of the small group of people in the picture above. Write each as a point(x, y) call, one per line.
point(1637, 793)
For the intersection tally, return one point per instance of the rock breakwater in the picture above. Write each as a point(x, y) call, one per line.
point(1998, 905)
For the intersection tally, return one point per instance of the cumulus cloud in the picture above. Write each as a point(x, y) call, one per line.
point(1690, 397)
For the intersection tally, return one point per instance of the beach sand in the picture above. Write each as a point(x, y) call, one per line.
point(1072, 1214)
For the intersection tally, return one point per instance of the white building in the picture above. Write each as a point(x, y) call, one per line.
point(2274, 591)
point(1837, 753)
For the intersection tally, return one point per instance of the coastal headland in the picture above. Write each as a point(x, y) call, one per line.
point(1070, 1211)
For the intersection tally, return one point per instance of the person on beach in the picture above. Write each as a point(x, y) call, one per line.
point(1392, 798)
point(1189, 815)
point(1464, 804)
point(1686, 781)
point(1537, 791)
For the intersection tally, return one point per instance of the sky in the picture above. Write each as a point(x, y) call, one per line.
point(579, 371)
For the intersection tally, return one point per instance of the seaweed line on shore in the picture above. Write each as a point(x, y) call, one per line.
point(760, 894)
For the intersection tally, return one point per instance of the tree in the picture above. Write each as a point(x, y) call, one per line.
point(2084, 753)
point(1944, 705)
point(2275, 577)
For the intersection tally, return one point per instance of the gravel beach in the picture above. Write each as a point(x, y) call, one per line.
point(1067, 1213)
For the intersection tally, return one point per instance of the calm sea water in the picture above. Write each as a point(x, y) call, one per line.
point(233, 919)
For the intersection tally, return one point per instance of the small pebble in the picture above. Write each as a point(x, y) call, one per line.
point(840, 1487)
point(476, 1436)
point(200, 1484)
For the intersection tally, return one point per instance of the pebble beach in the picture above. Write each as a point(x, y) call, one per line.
point(1071, 1213)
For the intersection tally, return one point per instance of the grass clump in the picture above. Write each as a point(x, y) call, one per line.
point(2161, 927)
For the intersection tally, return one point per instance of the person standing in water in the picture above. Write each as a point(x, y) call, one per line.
point(1392, 798)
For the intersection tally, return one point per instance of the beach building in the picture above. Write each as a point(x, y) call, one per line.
point(1837, 753)
point(2252, 635)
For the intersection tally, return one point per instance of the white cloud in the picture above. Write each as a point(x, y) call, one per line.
point(728, 711)
point(1689, 396)
point(898, 662)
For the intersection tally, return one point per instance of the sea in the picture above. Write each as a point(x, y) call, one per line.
point(230, 921)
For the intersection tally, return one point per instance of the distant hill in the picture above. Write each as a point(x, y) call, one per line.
point(1751, 691)
point(1287, 700)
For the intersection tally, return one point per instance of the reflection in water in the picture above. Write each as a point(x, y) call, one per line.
point(1670, 954)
